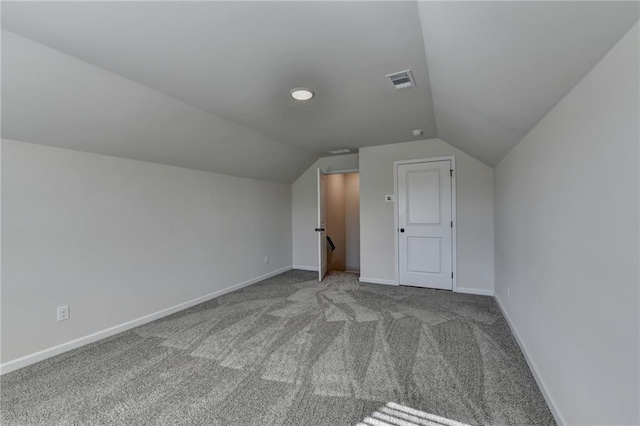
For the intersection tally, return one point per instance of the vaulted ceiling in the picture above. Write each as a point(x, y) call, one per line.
point(486, 73)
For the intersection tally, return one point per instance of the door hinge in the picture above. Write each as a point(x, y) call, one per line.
point(452, 224)
point(452, 275)
point(451, 173)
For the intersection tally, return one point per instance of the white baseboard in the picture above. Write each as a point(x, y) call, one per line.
point(534, 368)
point(377, 281)
point(73, 344)
point(479, 291)
point(306, 268)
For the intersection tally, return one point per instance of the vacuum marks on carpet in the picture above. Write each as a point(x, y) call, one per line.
point(292, 351)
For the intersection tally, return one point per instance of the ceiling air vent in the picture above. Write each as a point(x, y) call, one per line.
point(402, 79)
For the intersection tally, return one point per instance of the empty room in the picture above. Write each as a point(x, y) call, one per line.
point(372, 213)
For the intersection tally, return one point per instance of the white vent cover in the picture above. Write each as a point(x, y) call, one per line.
point(402, 79)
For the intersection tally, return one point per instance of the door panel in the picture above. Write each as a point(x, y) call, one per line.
point(321, 230)
point(424, 254)
point(424, 224)
point(422, 188)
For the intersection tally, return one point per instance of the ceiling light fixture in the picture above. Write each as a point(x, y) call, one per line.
point(340, 151)
point(302, 94)
point(417, 132)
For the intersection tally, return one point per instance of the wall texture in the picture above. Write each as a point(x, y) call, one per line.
point(567, 244)
point(119, 239)
point(304, 201)
point(474, 212)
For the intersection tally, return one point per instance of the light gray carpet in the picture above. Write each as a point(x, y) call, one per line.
point(292, 351)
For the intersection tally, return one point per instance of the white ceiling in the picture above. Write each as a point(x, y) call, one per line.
point(239, 60)
point(486, 72)
point(497, 68)
point(55, 99)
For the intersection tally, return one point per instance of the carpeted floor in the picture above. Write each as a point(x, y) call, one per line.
point(292, 351)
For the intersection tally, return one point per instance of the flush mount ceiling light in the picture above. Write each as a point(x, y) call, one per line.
point(416, 132)
point(302, 94)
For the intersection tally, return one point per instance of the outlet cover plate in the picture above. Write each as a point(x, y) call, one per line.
point(63, 313)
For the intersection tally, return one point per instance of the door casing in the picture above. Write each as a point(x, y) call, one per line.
point(322, 224)
point(396, 239)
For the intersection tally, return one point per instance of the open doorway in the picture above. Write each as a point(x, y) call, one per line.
point(343, 221)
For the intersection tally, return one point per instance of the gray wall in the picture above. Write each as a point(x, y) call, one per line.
point(567, 244)
point(119, 239)
point(474, 212)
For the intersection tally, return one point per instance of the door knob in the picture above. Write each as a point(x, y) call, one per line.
point(401, 229)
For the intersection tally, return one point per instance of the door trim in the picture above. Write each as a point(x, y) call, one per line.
point(454, 259)
point(321, 231)
point(342, 172)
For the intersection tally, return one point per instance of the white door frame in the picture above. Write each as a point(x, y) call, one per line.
point(321, 230)
point(454, 216)
point(342, 172)
point(332, 172)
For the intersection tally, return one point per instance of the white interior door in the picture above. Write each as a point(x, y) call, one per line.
point(425, 224)
point(321, 230)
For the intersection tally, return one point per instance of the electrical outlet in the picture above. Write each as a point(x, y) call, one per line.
point(266, 259)
point(63, 313)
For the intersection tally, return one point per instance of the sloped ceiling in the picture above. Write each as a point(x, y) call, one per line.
point(239, 61)
point(497, 68)
point(55, 99)
point(206, 84)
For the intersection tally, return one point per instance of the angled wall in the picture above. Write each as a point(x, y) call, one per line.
point(567, 213)
point(51, 98)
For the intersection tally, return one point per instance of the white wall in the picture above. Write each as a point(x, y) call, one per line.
point(304, 201)
point(118, 239)
point(567, 244)
point(474, 185)
point(352, 220)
